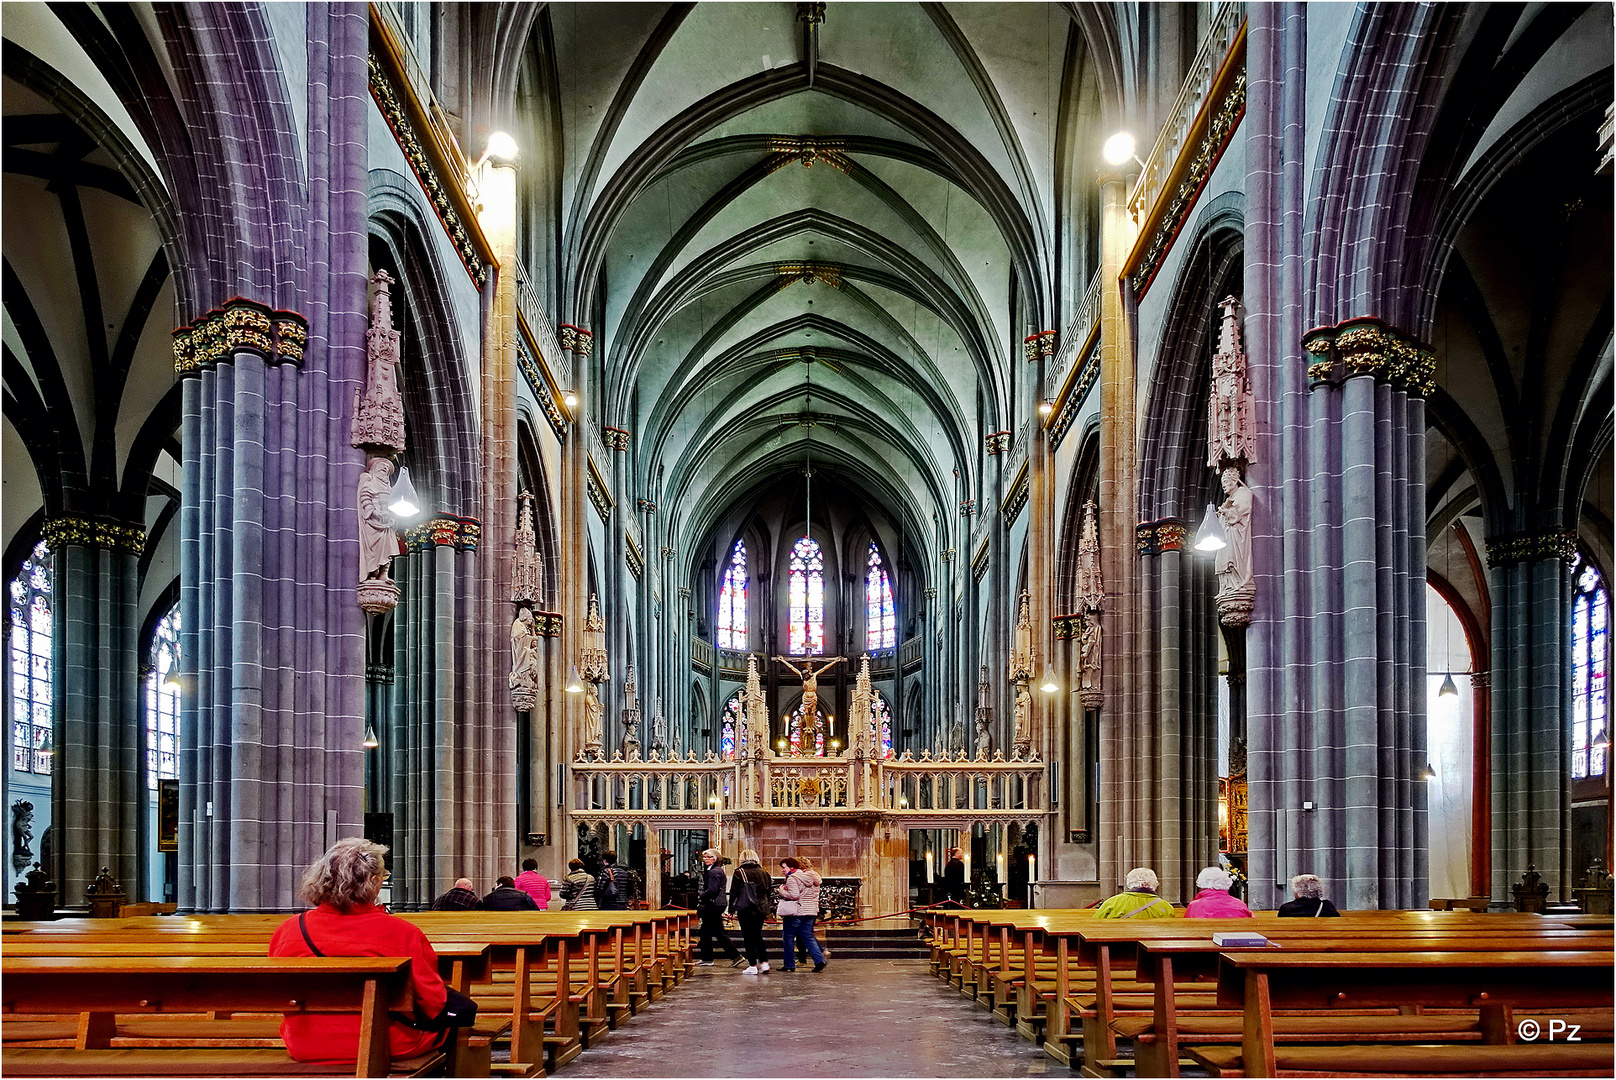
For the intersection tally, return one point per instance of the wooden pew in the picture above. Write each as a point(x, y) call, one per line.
point(98, 989)
point(1501, 985)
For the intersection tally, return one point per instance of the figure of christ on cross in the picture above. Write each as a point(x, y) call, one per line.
point(810, 689)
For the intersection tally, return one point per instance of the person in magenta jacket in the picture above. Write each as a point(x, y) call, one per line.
point(1214, 901)
point(534, 883)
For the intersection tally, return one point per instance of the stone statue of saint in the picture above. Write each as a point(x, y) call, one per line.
point(659, 729)
point(984, 741)
point(1234, 561)
point(1088, 651)
point(379, 415)
point(524, 659)
point(594, 713)
point(378, 543)
point(1023, 734)
point(810, 689)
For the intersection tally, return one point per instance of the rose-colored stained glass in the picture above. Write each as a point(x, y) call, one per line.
point(807, 596)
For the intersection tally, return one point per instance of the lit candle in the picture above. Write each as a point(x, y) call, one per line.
point(1032, 870)
point(930, 876)
point(967, 856)
point(1001, 866)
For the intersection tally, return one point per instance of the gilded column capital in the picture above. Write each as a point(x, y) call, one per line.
point(71, 530)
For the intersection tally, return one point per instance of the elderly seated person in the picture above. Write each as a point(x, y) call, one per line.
point(345, 921)
point(1309, 902)
point(459, 898)
point(1214, 901)
point(1139, 901)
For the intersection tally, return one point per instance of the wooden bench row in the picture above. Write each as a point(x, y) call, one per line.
point(1079, 984)
point(176, 997)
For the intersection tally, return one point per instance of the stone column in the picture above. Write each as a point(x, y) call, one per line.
point(99, 737)
point(1530, 801)
point(1125, 811)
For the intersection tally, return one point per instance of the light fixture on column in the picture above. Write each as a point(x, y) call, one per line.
point(575, 685)
point(1048, 684)
point(502, 150)
point(1119, 149)
point(1449, 689)
point(173, 680)
point(1209, 537)
point(1046, 407)
point(570, 400)
point(406, 503)
point(371, 742)
point(1428, 773)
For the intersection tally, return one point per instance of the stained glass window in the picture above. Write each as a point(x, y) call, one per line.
point(163, 701)
point(803, 742)
point(732, 601)
point(732, 731)
point(807, 599)
point(1590, 682)
point(31, 664)
point(880, 723)
point(881, 630)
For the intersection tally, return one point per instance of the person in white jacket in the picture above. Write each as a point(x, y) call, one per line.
point(799, 907)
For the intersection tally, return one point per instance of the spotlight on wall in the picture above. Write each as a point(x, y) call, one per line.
point(1428, 773)
point(574, 685)
point(570, 400)
point(501, 149)
point(406, 503)
point(1048, 685)
point(1449, 687)
point(371, 742)
point(1046, 407)
point(174, 681)
point(1119, 148)
point(1209, 537)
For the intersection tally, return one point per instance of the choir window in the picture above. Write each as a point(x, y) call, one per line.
point(163, 701)
point(31, 664)
point(732, 601)
point(732, 733)
point(880, 723)
point(881, 627)
point(805, 743)
point(1590, 697)
point(807, 599)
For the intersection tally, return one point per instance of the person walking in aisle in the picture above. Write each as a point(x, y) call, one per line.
point(799, 907)
point(710, 907)
point(578, 888)
point(749, 890)
point(613, 884)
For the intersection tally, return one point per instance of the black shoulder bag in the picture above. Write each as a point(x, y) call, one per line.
point(458, 1010)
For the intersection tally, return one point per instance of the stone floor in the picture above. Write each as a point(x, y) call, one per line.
point(856, 1018)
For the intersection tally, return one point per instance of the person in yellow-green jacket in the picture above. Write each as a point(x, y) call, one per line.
point(1139, 901)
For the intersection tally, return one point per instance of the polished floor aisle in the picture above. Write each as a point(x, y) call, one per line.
point(857, 1018)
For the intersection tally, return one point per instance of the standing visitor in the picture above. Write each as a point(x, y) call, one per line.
point(1139, 900)
point(954, 876)
point(1214, 900)
point(799, 907)
point(748, 902)
point(578, 889)
point(344, 920)
point(710, 907)
point(532, 882)
point(1309, 902)
point(612, 885)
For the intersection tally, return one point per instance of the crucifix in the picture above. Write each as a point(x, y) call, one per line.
point(810, 687)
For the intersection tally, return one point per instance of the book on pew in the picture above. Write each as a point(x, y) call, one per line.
point(1240, 940)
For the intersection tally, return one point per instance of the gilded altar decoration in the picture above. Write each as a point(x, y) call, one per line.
point(378, 421)
point(593, 663)
point(1090, 604)
point(1231, 448)
point(809, 675)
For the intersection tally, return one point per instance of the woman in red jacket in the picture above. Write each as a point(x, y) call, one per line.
point(345, 921)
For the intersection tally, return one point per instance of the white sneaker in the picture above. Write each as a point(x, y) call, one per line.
point(750, 971)
point(763, 967)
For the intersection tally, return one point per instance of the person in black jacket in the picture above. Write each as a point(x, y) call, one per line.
point(954, 876)
point(1310, 902)
point(710, 906)
point(507, 897)
point(613, 885)
point(751, 901)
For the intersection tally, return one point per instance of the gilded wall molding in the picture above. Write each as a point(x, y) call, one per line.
point(541, 391)
point(445, 530)
point(70, 530)
point(1367, 346)
point(1040, 344)
point(810, 273)
point(1530, 547)
point(1020, 489)
point(998, 442)
point(595, 487)
point(1088, 374)
point(240, 325)
point(632, 557)
point(616, 439)
point(1166, 534)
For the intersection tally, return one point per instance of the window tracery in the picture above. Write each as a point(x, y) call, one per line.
point(880, 624)
point(732, 729)
point(31, 658)
point(163, 701)
point(807, 594)
point(880, 723)
point(1590, 680)
point(732, 627)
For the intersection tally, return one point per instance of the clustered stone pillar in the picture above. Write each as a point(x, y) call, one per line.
point(1531, 809)
point(96, 776)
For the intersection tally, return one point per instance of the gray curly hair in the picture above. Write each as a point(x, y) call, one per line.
point(349, 874)
point(1307, 887)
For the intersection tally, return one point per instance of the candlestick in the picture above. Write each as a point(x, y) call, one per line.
point(930, 875)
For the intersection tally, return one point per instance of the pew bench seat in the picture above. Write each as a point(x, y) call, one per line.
point(174, 1061)
point(1521, 1059)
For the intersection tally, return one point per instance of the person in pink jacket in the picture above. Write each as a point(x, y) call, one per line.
point(534, 883)
point(1214, 901)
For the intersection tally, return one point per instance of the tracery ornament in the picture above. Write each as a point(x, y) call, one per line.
point(1231, 429)
point(631, 715)
point(593, 663)
point(807, 598)
point(880, 622)
point(757, 713)
point(378, 422)
point(1021, 653)
point(733, 631)
point(1090, 603)
point(527, 572)
point(863, 702)
point(31, 619)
